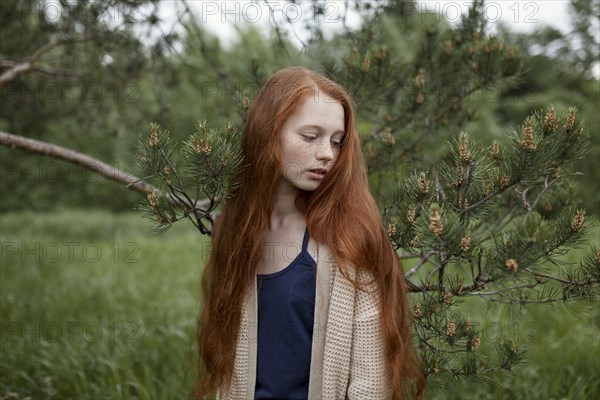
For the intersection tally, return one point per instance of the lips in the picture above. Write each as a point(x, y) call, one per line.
point(320, 171)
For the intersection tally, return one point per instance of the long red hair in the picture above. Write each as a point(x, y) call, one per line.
point(341, 213)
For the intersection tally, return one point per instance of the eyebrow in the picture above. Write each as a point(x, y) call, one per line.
point(320, 129)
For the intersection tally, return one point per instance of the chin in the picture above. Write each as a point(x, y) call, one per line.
point(307, 188)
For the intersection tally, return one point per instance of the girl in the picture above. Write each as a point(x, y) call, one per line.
point(330, 322)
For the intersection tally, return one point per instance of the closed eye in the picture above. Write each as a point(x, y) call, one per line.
point(337, 143)
point(340, 142)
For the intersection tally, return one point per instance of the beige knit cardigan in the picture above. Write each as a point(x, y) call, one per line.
point(347, 358)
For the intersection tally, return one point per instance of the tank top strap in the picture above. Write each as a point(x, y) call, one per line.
point(305, 240)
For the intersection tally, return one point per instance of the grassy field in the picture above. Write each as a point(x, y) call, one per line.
point(92, 307)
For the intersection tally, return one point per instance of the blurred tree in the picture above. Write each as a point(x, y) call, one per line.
point(69, 73)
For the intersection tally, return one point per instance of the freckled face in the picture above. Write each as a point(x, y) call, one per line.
point(311, 139)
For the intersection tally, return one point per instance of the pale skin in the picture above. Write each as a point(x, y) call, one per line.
point(310, 139)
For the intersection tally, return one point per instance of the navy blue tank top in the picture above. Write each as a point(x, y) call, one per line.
point(286, 305)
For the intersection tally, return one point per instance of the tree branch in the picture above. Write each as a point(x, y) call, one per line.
point(20, 68)
point(424, 258)
point(74, 157)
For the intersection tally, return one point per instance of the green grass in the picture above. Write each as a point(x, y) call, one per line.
point(119, 324)
point(82, 324)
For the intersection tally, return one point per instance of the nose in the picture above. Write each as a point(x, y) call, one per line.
point(324, 151)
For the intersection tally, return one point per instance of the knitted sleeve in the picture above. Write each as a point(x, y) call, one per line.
point(369, 375)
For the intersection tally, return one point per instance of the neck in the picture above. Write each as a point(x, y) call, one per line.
point(285, 212)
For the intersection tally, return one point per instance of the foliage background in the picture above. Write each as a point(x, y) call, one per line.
point(122, 81)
